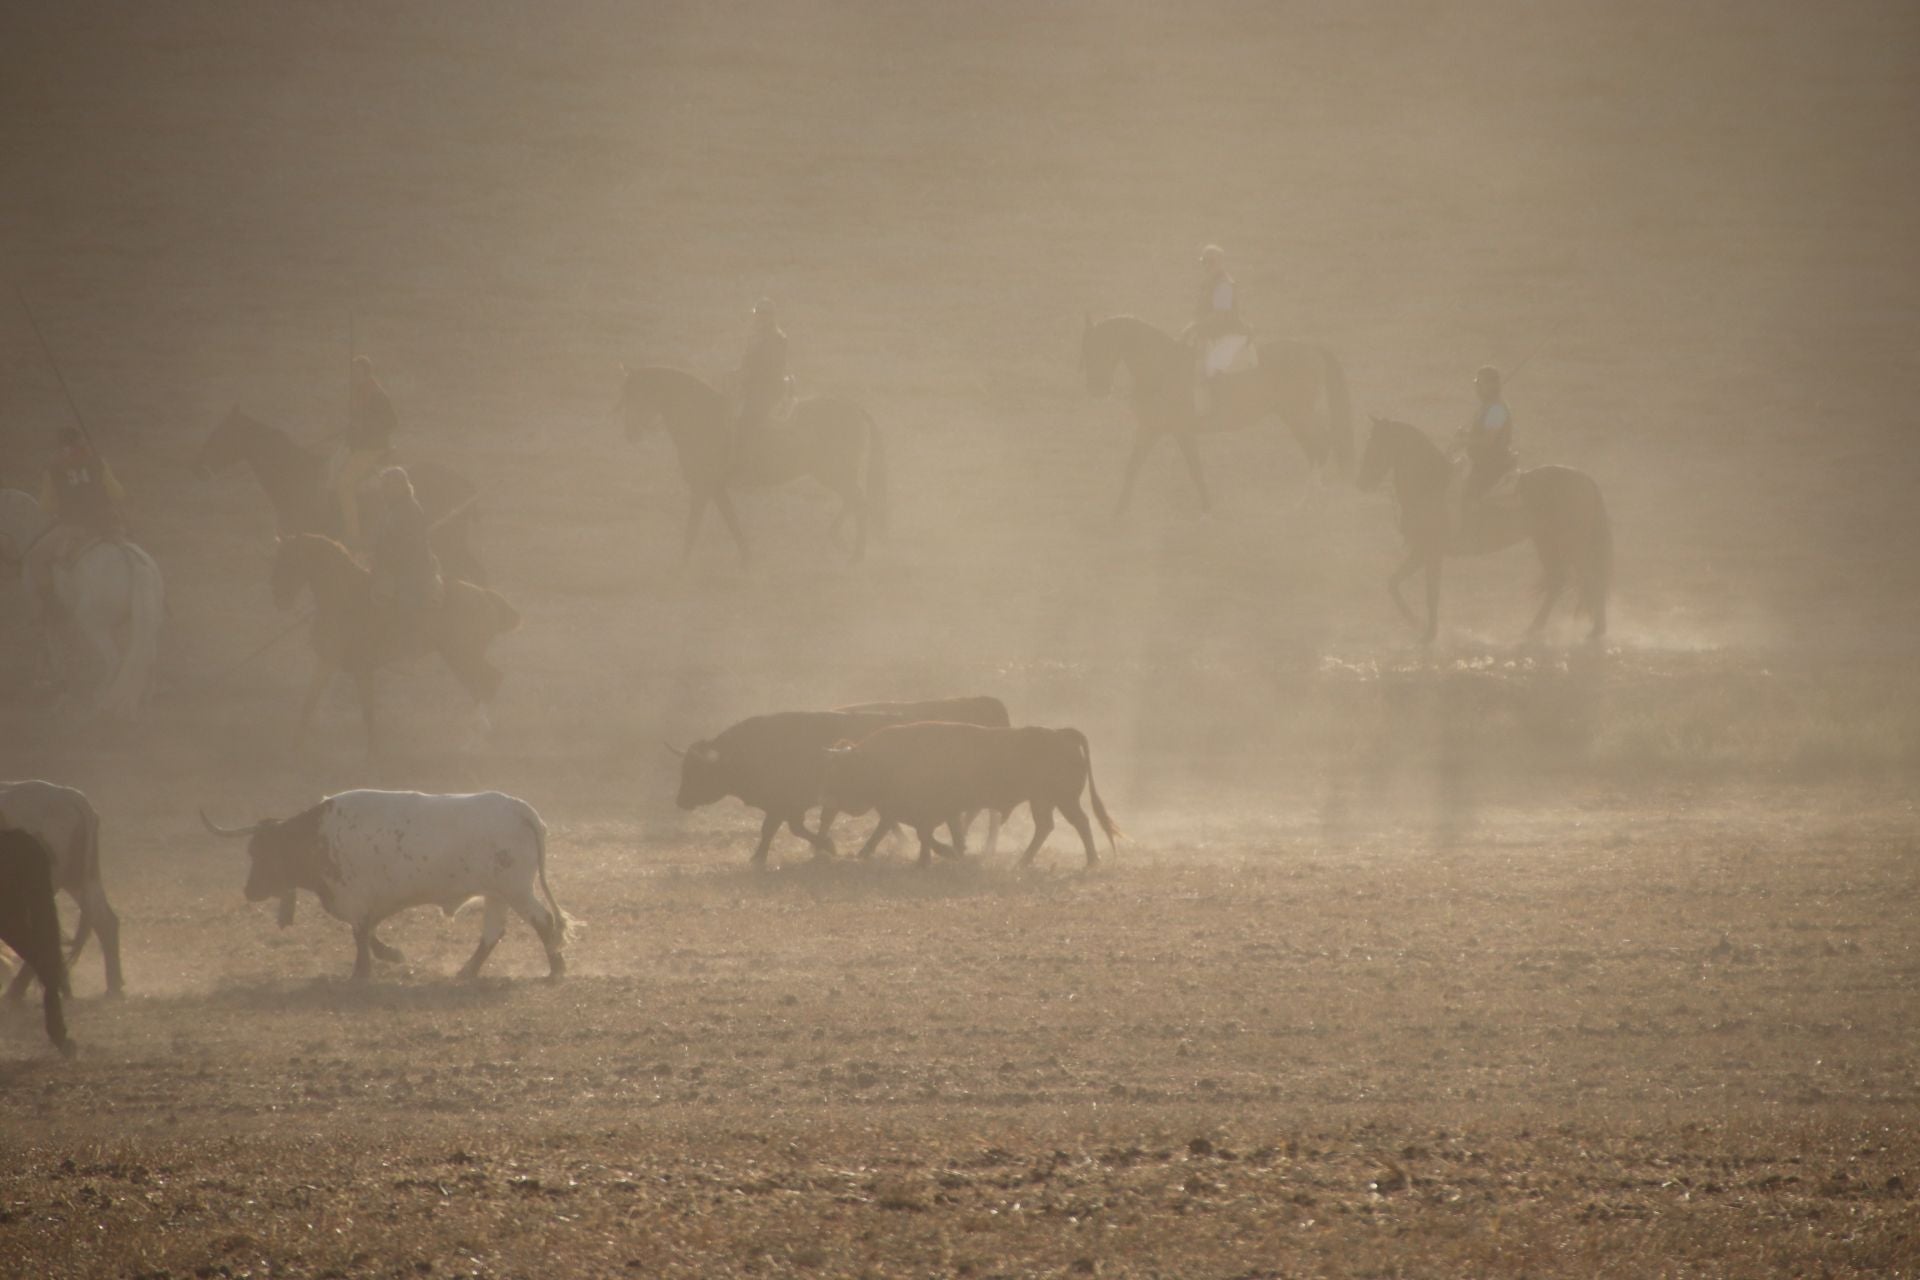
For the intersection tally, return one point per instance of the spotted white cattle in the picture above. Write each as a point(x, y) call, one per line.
point(65, 822)
point(369, 854)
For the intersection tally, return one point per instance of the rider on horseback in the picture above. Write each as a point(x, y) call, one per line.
point(82, 497)
point(80, 489)
point(763, 381)
point(1488, 439)
point(368, 439)
point(1218, 334)
point(406, 572)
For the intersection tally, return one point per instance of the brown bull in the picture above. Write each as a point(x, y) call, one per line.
point(776, 763)
point(925, 775)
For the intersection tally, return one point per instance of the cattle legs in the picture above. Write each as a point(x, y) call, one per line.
point(1042, 828)
point(97, 917)
point(768, 826)
point(551, 928)
point(1078, 817)
point(492, 925)
point(362, 952)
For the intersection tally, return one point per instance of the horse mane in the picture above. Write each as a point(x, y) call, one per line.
point(678, 389)
point(308, 546)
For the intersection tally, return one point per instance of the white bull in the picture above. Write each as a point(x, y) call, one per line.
point(64, 820)
point(370, 854)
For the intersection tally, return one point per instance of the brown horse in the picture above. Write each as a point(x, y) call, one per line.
point(1559, 509)
point(825, 437)
point(351, 633)
point(1290, 380)
point(295, 481)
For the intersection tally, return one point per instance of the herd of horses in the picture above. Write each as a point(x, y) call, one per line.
point(101, 628)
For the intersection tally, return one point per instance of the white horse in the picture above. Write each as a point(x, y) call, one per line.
point(110, 599)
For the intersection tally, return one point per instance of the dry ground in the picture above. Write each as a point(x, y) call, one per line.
point(1497, 960)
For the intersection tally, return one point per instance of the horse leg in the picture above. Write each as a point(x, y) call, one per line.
point(1553, 584)
point(1433, 600)
point(1191, 452)
point(695, 514)
point(1400, 575)
point(724, 501)
point(363, 685)
point(1143, 442)
point(852, 503)
point(322, 677)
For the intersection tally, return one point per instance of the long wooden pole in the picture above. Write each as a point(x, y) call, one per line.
point(47, 351)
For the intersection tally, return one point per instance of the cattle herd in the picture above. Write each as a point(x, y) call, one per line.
point(367, 855)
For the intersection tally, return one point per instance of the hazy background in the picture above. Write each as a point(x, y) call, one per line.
point(1692, 223)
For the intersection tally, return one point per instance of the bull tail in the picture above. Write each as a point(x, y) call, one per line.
point(1099, 809)
point(565, 925)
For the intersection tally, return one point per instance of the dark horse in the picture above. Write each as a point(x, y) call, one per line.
point(1558, 508)
point(825, 437)
point(351, 634)
point(295, 479)
point(1291, 379)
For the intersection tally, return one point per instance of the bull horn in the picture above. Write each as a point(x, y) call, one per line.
point(232, 833)
point(679, 753)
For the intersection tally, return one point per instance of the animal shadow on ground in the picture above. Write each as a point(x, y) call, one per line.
point(880, 877)
point(392, 992)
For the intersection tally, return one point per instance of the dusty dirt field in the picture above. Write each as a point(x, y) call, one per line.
point(1498, 960)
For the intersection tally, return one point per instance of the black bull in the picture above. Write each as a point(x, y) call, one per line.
point(30, 924)
point(777, 763)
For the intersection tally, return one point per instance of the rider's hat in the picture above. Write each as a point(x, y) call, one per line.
point(1487, 374)
point(763, 309)
point(1212, 256)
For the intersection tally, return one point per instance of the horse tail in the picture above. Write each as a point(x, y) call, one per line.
point(876, 487)
point(127, 692)
point(1596, 568)
point(1339, 413)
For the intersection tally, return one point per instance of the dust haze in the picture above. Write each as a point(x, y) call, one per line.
point(1500, 955)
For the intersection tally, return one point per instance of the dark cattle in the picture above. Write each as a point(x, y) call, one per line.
point(30, 924)
point(777, 763)
point(65, 821)
point(923, 775)
point(988, 712)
